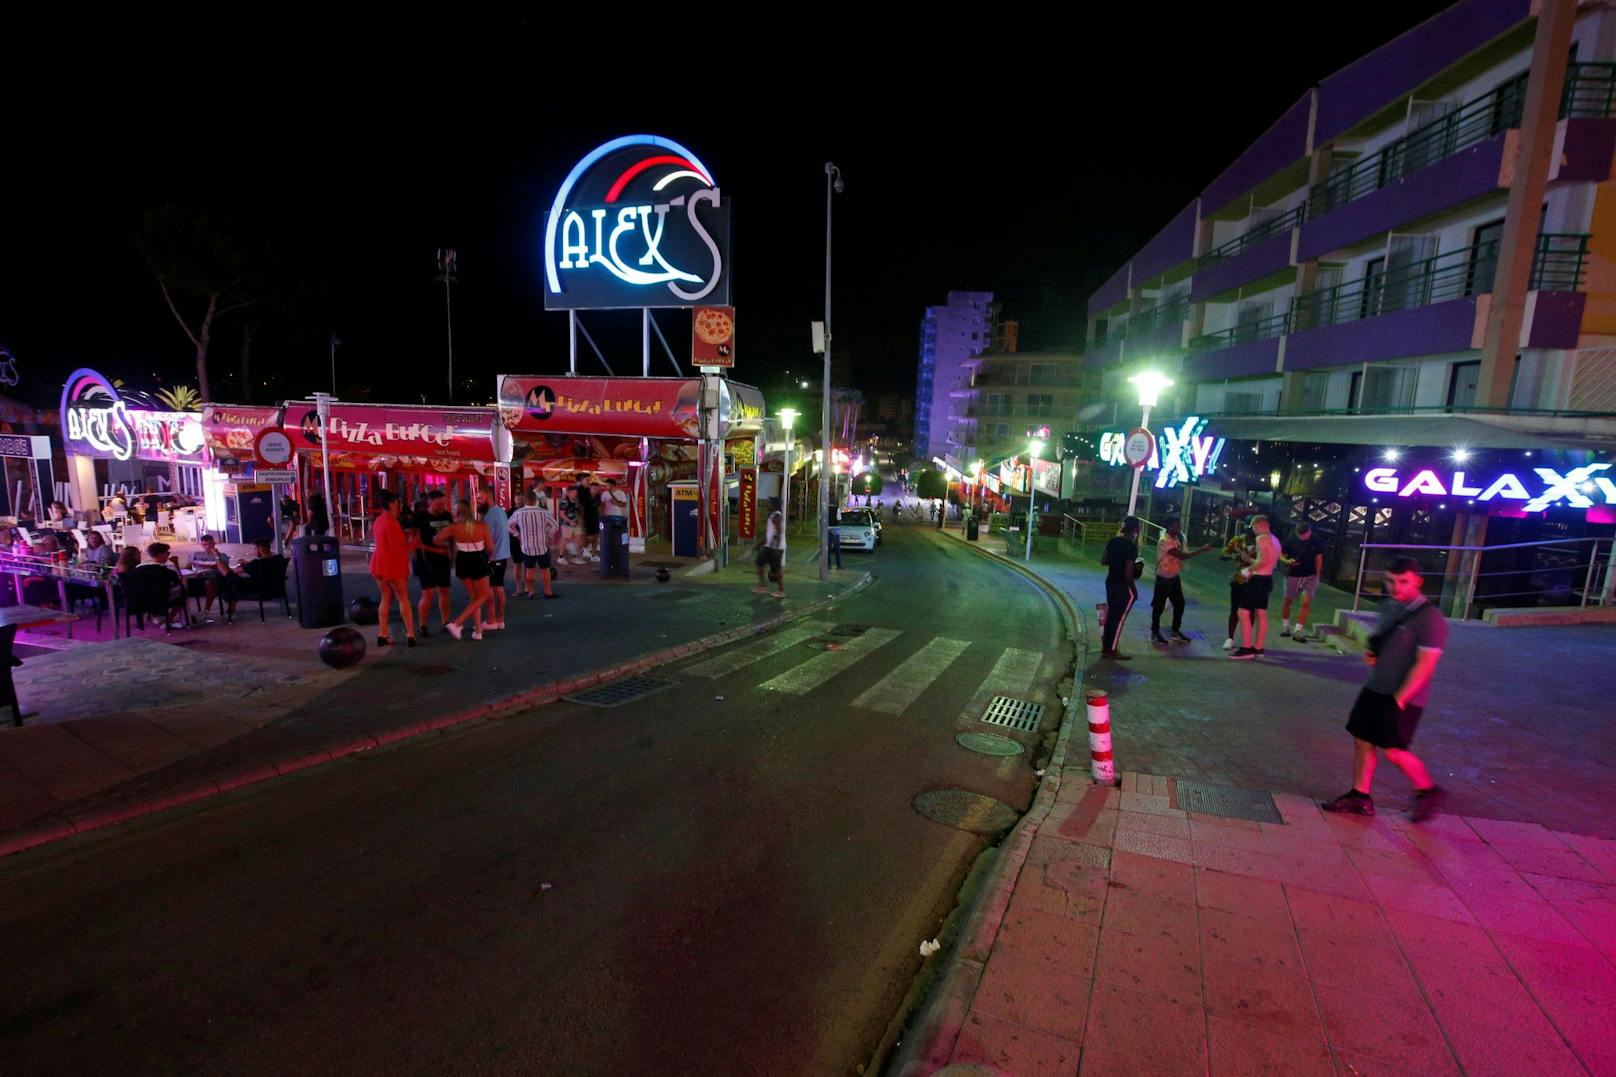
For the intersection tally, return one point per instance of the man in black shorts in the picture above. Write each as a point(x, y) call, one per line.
point(432, 558)
point(1258, 587)
point(1121, 591)
point(1409, 636)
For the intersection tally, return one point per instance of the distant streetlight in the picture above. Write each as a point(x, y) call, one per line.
point(787, 417)
point(1149, 384)
point(1033, 449)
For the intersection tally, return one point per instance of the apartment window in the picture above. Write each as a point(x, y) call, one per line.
point(1248, 318)
point(1389, 389)
point(1040, 405)
point(1001, 430)
point(1374, 276)
point(1508, 103)
point(1484, 257)
point(1406, 283)
point(1315, 386)
point(1462, 384)
point(1355, 391)
point(1242, 403)
point(1043, 374)
point(998, 404)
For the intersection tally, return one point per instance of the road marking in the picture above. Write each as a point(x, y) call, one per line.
point(807, 676)
point(746, 654)
point(894, 693)
point(1013, 675)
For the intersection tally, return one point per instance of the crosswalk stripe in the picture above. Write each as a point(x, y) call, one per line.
point(1013, 675)
point(745, 655)
point(893, 693)
point(807, 676)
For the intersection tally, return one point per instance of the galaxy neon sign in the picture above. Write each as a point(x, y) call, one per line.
point(639, 222)
point(1182, 453)
point(1540, 488)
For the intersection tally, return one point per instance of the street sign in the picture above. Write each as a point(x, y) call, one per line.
point(1136, 451)
point(266, 475)
point(273, 447)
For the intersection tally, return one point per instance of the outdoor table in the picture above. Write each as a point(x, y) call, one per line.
point(11, 619)
point(21, 565)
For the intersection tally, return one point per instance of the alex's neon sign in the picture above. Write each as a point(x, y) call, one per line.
point(1553, 487)
point(95, 420)
point(1181, 454)
point(604, 247)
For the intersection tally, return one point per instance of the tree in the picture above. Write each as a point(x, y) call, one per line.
point(868, 484)
point(195, 256)
point(930, 484)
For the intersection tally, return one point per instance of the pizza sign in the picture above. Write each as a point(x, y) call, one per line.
point(713, 336)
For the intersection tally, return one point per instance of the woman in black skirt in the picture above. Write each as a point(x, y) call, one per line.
point(471, 545)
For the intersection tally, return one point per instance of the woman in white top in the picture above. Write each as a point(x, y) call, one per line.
point(471, 544)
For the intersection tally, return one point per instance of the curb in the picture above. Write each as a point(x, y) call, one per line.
point(96, 818)
point(935, 1030)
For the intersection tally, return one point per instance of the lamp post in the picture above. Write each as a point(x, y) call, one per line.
point(833, 185)
point(1150, 384)
point(1033, 449)
point(787, 417)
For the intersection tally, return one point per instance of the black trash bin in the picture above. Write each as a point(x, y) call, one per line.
point(971, 529)
point(614, 547)
point(317, 576)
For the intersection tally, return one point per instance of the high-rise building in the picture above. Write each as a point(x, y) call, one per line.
point(1010, 394)
point(950, 337)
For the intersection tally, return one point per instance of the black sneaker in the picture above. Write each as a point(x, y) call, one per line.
point(424, 633)
point(1117, 656)
point(1426, 802)
point(1179, 637)
point(1157, 637)
point(1244, 654)
point(1350, 803)
point(1256, 652)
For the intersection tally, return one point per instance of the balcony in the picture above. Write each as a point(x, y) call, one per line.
point(1239, 244)
point(1240, 351)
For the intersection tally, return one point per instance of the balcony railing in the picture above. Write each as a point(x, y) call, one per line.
point(1590, 91)
point(1559, 262)
point(1022, 381)
point(1143, 322)
point(1475, 122)
point(1276, 325)
point(1267, 229)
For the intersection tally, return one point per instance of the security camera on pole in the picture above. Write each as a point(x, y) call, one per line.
point(1141, 443)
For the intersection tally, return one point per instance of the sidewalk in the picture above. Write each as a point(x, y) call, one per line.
point(1136, 937)
point(131, 726)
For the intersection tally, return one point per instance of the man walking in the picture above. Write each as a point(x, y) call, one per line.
point(771, 556)
point(1121, 558)
point(1304, 561)
point(1170, 558)
point(1402, 655)
point(1258, 587)
point(588, 518)
point(499, 555)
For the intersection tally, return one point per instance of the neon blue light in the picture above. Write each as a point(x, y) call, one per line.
point(552, 278)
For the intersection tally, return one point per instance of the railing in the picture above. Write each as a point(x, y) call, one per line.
point(1021, 381)
point(1597, 579)
point(1144, 321)
point(1590, 91)
point(1276, 325)
point(1266, 230)
point(1558, 264)
point(1475, 122)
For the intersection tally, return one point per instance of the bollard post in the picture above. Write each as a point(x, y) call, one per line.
point(1100, 737)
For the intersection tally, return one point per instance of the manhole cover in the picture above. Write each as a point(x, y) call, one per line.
point(988, 744)
point(429, 669)
point(619, 692)
point(1227, 801)
point(1014, 713)
point(849, 630)
point(965, 810)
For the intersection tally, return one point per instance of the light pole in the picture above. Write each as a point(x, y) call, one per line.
point(1150, 385)
point(833, 186)
point(787, 417)
point(1033, 449)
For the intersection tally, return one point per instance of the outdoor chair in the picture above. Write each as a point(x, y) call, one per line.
point(266, 581)
point(149, 594)
point(9, 661)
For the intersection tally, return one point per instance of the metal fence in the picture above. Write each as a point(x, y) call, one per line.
point(1554, 572)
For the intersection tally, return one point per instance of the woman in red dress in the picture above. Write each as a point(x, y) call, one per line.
point(390, 564)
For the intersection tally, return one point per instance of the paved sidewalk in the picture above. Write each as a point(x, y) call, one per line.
point(1140, 938)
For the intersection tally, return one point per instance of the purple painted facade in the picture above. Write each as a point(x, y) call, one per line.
point(1253, 263)
point(1278, 147)
point(1586, 155)
point(1162, 339)
point(1556, 320)
point(1433, 330)
point(1172, 245)
point(1468, 174)
point(1243, 360)
point(1364, 87)
point(1105, 355)
point(1111, 292)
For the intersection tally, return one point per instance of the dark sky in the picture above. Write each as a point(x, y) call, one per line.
point(1026, 159)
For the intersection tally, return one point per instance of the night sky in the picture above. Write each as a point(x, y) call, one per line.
point(1028, 160)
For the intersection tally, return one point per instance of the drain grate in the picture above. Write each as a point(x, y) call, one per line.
point(1227, 801)
point(619, 692)
point(1014, 713)
point(988, 744)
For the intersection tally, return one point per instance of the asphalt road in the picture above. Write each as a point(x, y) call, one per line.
point(684, 884)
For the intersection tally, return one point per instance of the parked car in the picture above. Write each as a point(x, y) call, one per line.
point(858, 530)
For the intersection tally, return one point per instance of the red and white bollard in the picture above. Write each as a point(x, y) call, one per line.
point(1100, 738)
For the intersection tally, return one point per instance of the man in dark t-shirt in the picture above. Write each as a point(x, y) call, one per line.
point(432, 557)
point(1304, 557)
point(588, 518)
point(1120, 558)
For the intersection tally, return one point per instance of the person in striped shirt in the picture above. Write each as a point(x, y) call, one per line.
point(534, 525)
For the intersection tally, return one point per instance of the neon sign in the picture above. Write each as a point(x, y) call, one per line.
point(1551, 486)
point(639, 222)
point(1184, 453)
point(95, 421)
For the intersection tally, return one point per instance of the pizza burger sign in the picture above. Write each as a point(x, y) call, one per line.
point(639, 222)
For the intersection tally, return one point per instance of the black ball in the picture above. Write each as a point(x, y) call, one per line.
point(362, 610)
point(663, 575)
point(342, 647)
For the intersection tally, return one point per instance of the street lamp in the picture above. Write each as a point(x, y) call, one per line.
point(1033, 449)
point(1150, 384)
point(833, 185)
point(787, 417)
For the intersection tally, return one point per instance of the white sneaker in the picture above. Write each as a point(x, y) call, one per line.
point(1285, 628)
point(453, 630)
point(1301, 633)
point(1228, 644)
point(497, 624)
point(476, 633)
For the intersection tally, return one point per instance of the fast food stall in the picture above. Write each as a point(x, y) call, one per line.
point(232, 433)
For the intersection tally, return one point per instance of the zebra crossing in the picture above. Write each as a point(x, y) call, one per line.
point(1015, 670)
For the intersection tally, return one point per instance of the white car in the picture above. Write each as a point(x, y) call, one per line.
point(858, 530)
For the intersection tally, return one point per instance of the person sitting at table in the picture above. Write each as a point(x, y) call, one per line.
point(58, 512)
point(215, 572)
point(162, 561)
point(96, 552)
point(129, 559)
point(41, 590)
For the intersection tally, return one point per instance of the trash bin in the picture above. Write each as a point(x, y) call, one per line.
point(971, 531)
point(317, 576)
point(614, 547)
